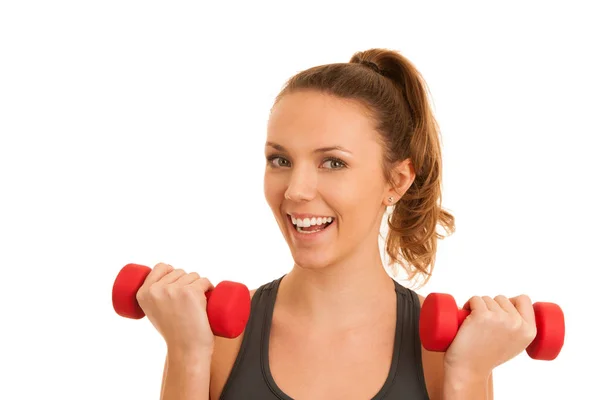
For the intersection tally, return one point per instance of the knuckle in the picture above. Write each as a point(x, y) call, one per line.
point(172, 292)
point(487, 317)
point(188, 293)
point(515, 324)
point(140, 296)
point(155, 291)
point(524, 298)
point(187, 290)
point(531, 332)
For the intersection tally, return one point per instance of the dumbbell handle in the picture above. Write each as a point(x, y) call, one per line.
point(128, 279)
point(544, 312)
point(227, 308)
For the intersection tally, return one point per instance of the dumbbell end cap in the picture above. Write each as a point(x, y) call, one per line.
point(550, 337)
point(229, 309)
point(125, 288)
point(438, 322)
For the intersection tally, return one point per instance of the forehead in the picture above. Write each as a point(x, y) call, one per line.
point(311, 119)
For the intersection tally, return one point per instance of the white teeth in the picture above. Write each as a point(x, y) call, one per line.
point(306, 222)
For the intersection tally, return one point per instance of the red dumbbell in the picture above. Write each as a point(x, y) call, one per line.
point(441, 318)
point(227, 308)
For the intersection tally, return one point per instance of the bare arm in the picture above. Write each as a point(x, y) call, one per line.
point(443, 385)
point(186, 376)
point(463, 390)
point(164, 379)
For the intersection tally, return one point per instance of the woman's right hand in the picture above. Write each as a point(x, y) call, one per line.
point(175, 303)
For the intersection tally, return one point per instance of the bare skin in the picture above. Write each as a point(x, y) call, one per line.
point(373, 368)
point(337, 304)
point(338, 298)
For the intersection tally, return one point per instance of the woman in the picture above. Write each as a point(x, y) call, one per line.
point(345, 144)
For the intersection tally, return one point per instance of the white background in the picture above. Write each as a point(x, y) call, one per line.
point(133, 131)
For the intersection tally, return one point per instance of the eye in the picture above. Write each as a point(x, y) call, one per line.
point(279, 161)
point(335, 163)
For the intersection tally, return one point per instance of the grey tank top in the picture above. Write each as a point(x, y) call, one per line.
point(251, 379)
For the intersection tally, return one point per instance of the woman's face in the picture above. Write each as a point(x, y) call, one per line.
point(323, 178)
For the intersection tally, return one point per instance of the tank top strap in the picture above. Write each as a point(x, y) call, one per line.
point(410, 376)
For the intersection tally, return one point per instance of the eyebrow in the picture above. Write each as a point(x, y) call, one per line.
point(319, 150)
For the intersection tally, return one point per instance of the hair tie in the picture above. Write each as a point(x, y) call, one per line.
point(372, 66)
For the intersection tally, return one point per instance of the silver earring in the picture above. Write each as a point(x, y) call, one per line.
point(390, 199)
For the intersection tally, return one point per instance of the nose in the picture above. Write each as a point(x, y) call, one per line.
point(302, 185)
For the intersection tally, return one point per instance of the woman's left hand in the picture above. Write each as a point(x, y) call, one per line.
point(495, 331)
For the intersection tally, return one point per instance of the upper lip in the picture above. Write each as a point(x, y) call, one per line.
point(302, 216)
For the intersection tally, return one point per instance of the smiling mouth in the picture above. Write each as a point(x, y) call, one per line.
point(311, 225)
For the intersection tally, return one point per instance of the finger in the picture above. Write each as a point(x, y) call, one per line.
point(186, 279)
point(173, 276)
point(491, 304)
point(157, 273)
point(506, 304)
point(524, 307)
point(475, 303)
point(202, 284)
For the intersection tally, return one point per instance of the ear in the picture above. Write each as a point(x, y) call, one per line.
point(403, 175)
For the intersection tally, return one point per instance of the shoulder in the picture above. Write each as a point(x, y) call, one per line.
point(224, 354)
point(433, 369)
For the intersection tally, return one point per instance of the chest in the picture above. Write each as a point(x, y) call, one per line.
point(349, 365)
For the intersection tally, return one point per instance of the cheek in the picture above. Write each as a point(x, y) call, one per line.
point(353, 190)
point(344, 200)
point(355, 200)
point(274, 191)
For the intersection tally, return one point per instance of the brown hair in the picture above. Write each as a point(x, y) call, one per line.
point(395, 95)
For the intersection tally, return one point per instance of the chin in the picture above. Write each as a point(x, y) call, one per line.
point(312, 260)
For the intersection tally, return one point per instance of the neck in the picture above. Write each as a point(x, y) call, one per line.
point(347, 294)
